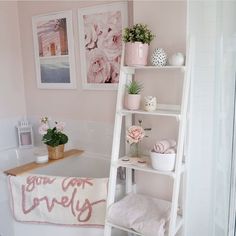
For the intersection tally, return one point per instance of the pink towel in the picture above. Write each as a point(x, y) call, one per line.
point(163, 145)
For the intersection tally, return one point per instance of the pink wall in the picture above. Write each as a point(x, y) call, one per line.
point(167, 19)
point(12, 102)
point(67, 104)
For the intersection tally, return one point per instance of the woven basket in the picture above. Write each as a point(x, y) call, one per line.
point(57, 152)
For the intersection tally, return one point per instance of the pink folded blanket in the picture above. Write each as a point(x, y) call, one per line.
point(164, 145)
point(58, 200)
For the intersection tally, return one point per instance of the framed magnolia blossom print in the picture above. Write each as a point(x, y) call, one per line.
point(54, 50)
point(100, 38)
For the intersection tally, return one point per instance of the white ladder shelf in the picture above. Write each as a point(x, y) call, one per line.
point(180, 113)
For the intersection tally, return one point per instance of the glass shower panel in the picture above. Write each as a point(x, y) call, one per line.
point(212, 24)
point(224, 114)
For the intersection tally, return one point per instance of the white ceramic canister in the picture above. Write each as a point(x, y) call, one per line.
point(176, 59)
point(150, 103)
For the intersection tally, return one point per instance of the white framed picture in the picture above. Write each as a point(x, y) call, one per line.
point(100, 38)
point(54, 50)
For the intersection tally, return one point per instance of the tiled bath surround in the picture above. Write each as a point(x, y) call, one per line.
point(95, 137)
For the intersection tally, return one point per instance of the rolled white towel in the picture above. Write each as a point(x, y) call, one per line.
point(163, 145)
point(170, 151)
point(172, 142)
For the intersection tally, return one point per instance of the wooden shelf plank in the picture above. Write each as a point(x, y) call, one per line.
point(33, 165)
point(131, 69)
point(143, 167)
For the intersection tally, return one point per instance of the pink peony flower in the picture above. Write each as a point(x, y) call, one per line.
point(90, 36)
point(114, 19)
point(135, 134)
point(115, 70)
point(60, 126)
point(43, 128)
point(99, 68)
point(111, 43)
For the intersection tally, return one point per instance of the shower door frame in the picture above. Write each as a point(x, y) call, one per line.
point(232, 201)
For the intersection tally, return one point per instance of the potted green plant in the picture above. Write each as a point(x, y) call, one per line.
point(137, 40)
point(54, 138)
point(133, 96)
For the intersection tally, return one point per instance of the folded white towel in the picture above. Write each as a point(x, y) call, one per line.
point(170, 151)
point(163, 145)
point(141, 213)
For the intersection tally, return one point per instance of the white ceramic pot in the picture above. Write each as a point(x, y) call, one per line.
point(163, 162)
point(136, 54)
point(176, 59)
point(132, 101)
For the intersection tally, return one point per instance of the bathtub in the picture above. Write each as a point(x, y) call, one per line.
point(87, 165)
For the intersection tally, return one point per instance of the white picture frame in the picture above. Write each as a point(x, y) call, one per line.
point(97, 26)
point(54, 50)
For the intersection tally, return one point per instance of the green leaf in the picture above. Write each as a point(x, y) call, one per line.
point(134, 87)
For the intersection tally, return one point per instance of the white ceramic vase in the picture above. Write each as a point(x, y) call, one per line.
point(176, 59)
point(150, 103)
point(159, 57)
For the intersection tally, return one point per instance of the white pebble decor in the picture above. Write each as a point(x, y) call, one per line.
point(159, 57)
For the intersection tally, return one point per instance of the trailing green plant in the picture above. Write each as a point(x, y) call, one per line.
point(138, 33)
point(134, 87)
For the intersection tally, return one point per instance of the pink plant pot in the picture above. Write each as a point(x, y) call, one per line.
point(136, 54)
point(132, 101)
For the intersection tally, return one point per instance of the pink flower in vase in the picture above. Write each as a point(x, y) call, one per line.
point(135, 134)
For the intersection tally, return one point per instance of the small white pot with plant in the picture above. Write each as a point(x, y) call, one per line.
point(163, 155)
point(137, 40)
point(133, 96)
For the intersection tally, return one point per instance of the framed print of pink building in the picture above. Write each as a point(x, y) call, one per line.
point(52, 38)
point(54, 50)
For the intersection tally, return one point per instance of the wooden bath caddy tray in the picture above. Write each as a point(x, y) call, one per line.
point(33, 165)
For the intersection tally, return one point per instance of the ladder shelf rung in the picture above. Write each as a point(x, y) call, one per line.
point(144, 167)
point(154, 113)
point(131, 69)
point(179, 224)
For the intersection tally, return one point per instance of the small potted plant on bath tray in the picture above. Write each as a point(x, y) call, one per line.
point(163, 155)
point(133, 96)
point(137, 40)
point(54, 138)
